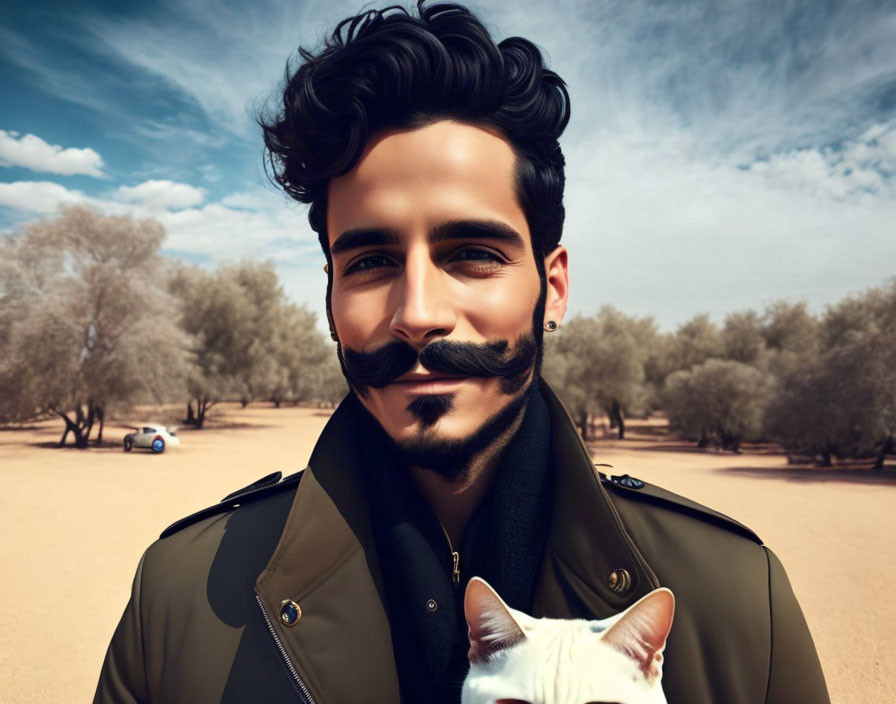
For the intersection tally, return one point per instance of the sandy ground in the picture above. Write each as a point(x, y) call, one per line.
point(74, 525)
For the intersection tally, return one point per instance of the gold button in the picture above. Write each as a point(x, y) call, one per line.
point(290, 613)
point(619, 581)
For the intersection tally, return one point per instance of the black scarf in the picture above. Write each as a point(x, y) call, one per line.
point(503, 544)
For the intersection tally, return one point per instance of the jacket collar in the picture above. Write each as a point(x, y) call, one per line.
point(326, 562)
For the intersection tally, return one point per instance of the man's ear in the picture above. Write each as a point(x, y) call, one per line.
point(556, 271)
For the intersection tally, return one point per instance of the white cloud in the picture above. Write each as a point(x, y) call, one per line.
point(42, 197)
point(860, 166)
point(162, 195)
point(222, 233)
point(655, 227)
point(213, 231)
point(31, 152)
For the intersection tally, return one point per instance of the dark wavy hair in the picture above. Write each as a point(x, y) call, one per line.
point(391, 69)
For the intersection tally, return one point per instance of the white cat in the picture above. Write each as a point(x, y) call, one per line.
point(517, 659)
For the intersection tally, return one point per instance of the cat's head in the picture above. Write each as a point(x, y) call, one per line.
point(517, 659)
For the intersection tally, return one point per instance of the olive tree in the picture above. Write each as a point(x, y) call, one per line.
point(719, 401)
point(597, 365)
point(836, 396)
point(250, 342)
point(84, 320)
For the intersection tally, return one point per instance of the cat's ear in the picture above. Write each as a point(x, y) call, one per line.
point(492, 626)
point(642, 630)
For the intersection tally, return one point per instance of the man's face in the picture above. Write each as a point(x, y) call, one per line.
point(429, 243)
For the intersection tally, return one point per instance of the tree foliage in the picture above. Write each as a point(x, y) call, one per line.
point(694, 342)
point(742, 338)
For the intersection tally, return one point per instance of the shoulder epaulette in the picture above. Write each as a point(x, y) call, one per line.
point(639, 490)
point(265, 486)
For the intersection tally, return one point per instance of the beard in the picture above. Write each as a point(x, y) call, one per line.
point(451, 458)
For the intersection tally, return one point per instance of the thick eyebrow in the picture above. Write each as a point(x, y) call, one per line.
point(363, 237)
point(479, 230)
point(451, 230)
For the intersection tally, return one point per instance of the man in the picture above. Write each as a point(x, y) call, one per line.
point(430, 158)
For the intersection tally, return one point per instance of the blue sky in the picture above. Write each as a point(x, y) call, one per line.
point(721, 155)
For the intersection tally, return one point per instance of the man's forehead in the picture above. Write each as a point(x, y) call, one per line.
point(440, 173)
point(453, 139)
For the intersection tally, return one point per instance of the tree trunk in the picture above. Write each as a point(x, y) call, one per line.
point(888, 447)
point(616, 418)
point(80, 424)
point(202, 406)
point(70, 426)
point(88, 424)
point(583, 424)
point(730, 442)
point(826, 456)
point(101, 417)
point(703, 442)
point(191, 416)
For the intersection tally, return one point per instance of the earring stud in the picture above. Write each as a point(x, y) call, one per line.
point(551, 325)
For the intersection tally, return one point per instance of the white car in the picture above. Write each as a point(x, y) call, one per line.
point(152, 436)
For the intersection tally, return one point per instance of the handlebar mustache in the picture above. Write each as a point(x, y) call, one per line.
point(495, 359)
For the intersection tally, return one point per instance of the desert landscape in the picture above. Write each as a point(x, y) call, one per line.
point(75, 523)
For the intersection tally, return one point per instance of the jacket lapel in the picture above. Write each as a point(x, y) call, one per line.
point(326, 562)
point(587, 543)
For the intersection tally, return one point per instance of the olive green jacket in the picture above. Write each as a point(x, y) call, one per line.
point(203, 622)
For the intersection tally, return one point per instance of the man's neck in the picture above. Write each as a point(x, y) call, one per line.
point(454, 502)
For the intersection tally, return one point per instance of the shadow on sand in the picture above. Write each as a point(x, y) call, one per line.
point(223, 425)
point(54, 445)
point(863, 475)
point(691, 448)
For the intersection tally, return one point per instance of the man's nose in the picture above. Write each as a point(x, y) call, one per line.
point(424, 310)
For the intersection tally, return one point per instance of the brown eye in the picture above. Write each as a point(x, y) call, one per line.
point(476, 261)
point(369, 263)
point(476, 255)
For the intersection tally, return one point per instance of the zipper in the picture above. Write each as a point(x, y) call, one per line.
point(301, 687)
point(455, 559)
